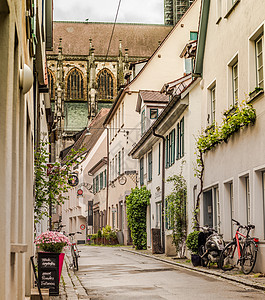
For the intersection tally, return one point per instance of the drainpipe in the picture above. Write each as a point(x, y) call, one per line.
point(163, 186)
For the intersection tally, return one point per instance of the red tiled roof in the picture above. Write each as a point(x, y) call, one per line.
point(141, 39)
point(153, 96)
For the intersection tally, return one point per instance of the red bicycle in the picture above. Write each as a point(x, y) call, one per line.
point(242, 250)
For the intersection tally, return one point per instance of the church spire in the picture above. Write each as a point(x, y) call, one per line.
point(174, 10)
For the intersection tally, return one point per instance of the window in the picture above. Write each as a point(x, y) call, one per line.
point(153, 113)
point(180, 139)
point(51, 81)
point(232, 206)
point(193, 35)
point(159, 157)
point(247, 200)
point(122, 160)
point(105, 178)
point(116, 166)
point(75, 85)
point(119, 163)
point(142, 171)
point(170, 148)
point(101, 181)
point(97, 184)
point(150, 166)
point(213, 103)
point(105, 83)
point(188, 65)
point(235, 82)
point(259, 62)
point(122, 113)
point(143, 121)
point(158, 215)
point(217, 219)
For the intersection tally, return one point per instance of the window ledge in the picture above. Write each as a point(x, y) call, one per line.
point(231, 9)
point(255, 95)
point(18, 248)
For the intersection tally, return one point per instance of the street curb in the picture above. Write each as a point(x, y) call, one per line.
point(205, 271)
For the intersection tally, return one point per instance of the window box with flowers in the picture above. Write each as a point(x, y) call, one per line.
point(50, 259)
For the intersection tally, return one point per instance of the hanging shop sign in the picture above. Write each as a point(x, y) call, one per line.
point(73, 180)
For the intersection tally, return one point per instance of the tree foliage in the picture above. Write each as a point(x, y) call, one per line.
point(175, 212)
point(51, 189)
point(136, 204)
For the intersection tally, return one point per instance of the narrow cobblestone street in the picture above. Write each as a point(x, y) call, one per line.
point(112, 273)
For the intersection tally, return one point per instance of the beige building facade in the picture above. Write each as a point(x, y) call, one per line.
point(20, 97)
point(232, 61)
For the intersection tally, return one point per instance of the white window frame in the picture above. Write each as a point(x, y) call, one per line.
point(259, 82)
point(213, 104)
point(235, 82)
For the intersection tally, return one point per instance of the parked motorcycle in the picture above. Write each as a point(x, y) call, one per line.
point(211, 245)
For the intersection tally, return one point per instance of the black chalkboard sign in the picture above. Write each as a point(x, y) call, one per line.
point(48, 271)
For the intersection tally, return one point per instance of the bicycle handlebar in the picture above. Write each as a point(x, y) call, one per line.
point(246, 227)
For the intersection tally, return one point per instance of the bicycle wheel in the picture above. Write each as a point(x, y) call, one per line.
point(249, 256)
point(229, 257)
point(76, 262)
point(204, 260)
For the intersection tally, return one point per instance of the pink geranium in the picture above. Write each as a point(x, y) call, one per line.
point(52, 241)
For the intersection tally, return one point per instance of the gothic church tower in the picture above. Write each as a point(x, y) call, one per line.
point(174, 10)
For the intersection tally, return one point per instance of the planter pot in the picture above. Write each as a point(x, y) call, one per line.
point(49, 271)
point(196, 260)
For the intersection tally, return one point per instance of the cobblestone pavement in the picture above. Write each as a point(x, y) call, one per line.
point(71, 288)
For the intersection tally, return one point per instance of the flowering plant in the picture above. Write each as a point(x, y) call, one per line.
point(52, 241)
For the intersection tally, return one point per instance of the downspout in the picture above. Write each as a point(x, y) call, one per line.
point(162, 187)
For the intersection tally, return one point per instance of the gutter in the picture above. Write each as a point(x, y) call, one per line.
point(163, 187)
point(202, 38)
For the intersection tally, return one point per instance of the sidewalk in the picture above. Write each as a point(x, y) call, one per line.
point(254, 280)
point(71, 288)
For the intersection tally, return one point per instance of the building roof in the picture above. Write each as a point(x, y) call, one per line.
point(151, 97)
point(141, 39)
point(88, 141)
point(173, 110)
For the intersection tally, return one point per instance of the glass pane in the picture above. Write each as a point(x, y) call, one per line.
point(260, 62)
point(259, 46)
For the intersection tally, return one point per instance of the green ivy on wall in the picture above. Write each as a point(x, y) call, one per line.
point(175, 212)
point(136, 204)
point(235, 118)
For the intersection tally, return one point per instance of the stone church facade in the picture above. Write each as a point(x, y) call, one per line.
point(86, 70)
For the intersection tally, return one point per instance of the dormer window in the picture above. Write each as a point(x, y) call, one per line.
point(153, 113)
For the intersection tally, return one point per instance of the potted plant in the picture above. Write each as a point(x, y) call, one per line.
point(193, 245)
point(50, 259)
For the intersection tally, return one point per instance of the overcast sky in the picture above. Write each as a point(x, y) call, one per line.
point(131, 11)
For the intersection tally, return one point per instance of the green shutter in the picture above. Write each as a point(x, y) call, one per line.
point(173, 145)
point(182, 136)
point(178, 142)
point(105, 181)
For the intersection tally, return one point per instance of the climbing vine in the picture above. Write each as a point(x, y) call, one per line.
point(136, 204)
point(175, 212)
point(50, 189)
point(235, 118)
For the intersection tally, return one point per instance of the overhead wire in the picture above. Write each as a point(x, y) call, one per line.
point(117, 12)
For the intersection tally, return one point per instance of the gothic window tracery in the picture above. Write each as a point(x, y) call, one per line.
point(51, 81)
point(105, 84)
point(75, 85)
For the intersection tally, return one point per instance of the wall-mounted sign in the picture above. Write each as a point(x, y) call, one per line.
point(73, 180)
point(82, 227)
point(79, 192)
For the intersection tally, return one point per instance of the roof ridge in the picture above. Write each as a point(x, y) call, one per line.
point(84, 22)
